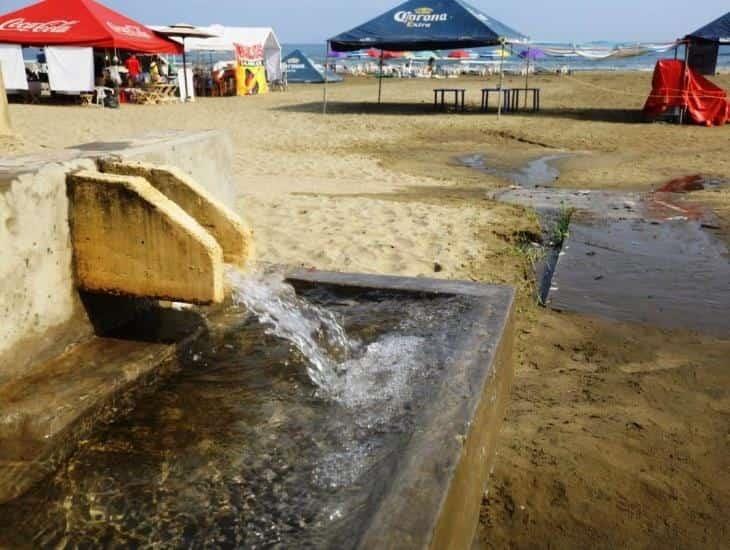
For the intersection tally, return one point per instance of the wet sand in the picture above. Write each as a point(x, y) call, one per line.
point(616, 433)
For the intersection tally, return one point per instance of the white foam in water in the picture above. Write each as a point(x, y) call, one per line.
point(381, 374)
point(313, 330)
point(357, 378)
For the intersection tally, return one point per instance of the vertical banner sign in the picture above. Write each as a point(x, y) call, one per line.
point(249, 54)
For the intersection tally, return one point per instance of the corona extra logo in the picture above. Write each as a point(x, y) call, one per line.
point(293, 61)
point(420, 18)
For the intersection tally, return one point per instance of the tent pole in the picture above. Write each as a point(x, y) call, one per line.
point(185, 72)
point(501, 84)
point(527, 75)
point(685, 74)
point(326, 59)
point(380, 80)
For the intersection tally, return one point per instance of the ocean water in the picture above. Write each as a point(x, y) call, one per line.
point(640, 63)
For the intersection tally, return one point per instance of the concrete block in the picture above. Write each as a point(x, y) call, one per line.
point(39, 307)
point(206, 156)
point(4, 115)
point(129, 239)
point(228, 229)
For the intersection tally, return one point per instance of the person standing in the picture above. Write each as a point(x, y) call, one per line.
point(133, 69)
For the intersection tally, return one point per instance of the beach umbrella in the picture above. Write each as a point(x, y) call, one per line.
point(384, 54)
point(498, 54)
point(183, 31)
point(460, 54)
point(530, 54)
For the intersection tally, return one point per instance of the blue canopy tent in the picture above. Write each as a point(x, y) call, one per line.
point(418, 25)
point(717, 31)
point(301, 69)
point(702, 47)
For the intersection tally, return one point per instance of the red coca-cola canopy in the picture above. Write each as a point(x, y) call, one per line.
point(80, 23)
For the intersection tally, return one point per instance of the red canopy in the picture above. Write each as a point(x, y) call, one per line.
point(459, 54)
point(372, 52)
point(80, 23)
point(706, 103)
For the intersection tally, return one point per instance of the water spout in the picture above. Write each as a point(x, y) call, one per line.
point(314, 331)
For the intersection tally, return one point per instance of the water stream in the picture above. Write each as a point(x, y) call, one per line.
point(314, 331)
point(639, 257)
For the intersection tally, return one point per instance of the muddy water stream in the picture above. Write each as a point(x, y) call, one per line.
point(629, 256)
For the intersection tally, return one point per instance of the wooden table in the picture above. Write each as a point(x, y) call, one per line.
point(165, 93)
point(516, 94)
point(459, 98)
point(506, 98)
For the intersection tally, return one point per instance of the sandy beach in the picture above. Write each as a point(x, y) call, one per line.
point(617, 434)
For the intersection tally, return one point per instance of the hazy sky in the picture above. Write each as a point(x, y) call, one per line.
point(315, 20)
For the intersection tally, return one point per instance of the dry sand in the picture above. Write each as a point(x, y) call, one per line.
point(617, 435)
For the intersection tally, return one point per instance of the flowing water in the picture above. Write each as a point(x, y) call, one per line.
point(278, 430)
point(630, 256)
point(314, 331)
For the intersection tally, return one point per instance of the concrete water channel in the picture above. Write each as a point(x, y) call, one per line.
point(645, 257)
point(131, 419)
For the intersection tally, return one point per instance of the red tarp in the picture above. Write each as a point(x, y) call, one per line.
point(706, 103)
point(80, 23)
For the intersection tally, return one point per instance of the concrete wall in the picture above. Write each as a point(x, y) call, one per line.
point(4, 115)
point(39, 303)
point(37, 294)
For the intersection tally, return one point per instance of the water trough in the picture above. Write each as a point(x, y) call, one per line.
point(139, 421)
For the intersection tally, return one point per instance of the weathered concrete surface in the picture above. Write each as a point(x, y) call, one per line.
point(44, 413)
point(4, 114)
point(205, 156)
point(130, 239)
point(37, 294)
point(38, 299)
point(234, 237)
point(435, 497)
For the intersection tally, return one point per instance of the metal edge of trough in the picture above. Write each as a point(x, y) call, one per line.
point(435, 498)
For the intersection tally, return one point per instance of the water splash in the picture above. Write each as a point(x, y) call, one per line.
point(314, 331)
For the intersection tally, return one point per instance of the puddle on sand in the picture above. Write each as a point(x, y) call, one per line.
point(638, 257)
point(537, 172)
point(671, 274)
point(240, 449)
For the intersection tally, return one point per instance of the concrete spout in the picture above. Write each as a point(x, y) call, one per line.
point(221, 222)
point(130, 239)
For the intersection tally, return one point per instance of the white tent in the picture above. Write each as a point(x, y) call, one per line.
point(226, 37)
